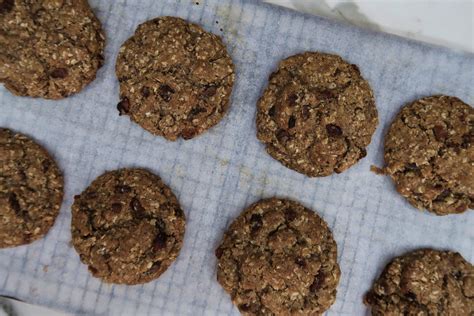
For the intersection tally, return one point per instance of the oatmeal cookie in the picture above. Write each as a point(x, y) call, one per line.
point(317, 115)
point(279, 258)
point(424, 282)
point(175, 78)
point(429, 154)
point(31, 190)
point(49, 48)
point(127, 226)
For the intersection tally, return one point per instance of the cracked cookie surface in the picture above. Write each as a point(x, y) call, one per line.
point(175, 78)
point(429, 154)
point(31, 190)
point(49, 48)
point(127, 226)
point(426, 283)
point(279, 258)
point(317, 115)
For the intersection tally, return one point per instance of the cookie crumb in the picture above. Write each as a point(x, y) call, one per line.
point(377, 170)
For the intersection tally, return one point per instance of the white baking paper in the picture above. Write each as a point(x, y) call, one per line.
point(219, 173)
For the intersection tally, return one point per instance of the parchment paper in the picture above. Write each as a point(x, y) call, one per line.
point(218, 174)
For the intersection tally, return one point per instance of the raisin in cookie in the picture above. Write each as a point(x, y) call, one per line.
point(429, 154)
point(127, 226)
point(31, 190)
point(424, 282)
point(317, 115)
point(175, 78)
point(49, 48)
point(279, 258)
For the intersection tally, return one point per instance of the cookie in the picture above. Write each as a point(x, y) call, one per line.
point(175, 78)
point(127, 226)
point(424, 282)
point(31, 190)
point(317, 115)
point(429, 154)
point(279, 258)
point(49, 48)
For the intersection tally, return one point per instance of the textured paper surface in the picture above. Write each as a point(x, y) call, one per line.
point(218, 174)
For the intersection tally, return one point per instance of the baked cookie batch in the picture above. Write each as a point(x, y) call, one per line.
point(316, 116)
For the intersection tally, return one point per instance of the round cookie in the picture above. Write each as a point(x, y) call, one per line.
point(424, 282)
point(49, 48)
point(317, 115)
point(279, 257)
point(175, 78)
point(31, 190)
point(127, 226)
point(429, 154)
